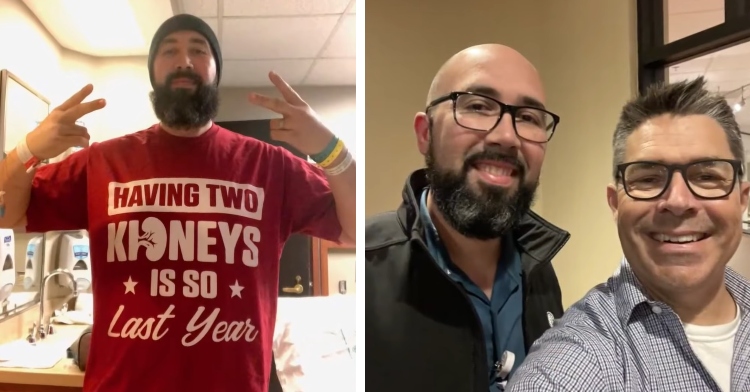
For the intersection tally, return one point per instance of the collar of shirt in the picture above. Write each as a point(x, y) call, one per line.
point(629, 295)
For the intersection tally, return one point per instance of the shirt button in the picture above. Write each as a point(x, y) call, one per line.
point(656, 309)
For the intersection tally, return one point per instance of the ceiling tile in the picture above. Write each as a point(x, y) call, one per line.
point(202, 8)
point(352, 7)
point(254, 73)
point(283, 8)
point(333, 72)
point(274, 38)
point(343, 43)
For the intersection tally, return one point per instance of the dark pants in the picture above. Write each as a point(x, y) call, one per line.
point(274, 385)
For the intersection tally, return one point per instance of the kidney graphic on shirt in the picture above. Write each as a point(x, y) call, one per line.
point(229, 229)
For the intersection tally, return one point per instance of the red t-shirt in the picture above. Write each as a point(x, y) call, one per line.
point(186, 236)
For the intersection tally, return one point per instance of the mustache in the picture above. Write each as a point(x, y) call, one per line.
point(495, 156)
point(665, 223)
point(184, 75)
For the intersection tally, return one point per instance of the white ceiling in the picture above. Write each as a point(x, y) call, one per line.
point(102, 28)
point(308, 42)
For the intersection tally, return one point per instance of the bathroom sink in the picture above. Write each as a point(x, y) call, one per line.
point(43, 354)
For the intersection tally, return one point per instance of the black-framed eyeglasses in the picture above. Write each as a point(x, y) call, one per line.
point(706, 179)
point(482, 113)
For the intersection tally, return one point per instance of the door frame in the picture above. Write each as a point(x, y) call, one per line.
point(316, 268)
point(319, 260)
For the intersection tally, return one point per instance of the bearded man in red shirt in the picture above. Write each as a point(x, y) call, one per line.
point(186, 220)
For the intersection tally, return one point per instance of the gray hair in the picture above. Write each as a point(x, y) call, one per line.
point(678, 99)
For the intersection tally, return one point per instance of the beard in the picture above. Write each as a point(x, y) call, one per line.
point(486, 214)
point(185, 109)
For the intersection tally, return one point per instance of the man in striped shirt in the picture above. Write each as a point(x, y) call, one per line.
point(674, 316)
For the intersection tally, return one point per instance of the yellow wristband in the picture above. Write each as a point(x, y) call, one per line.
point(334, 154)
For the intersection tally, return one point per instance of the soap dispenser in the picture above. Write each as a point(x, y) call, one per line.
point(75, 256)
point(8, 272)
point(33, 263)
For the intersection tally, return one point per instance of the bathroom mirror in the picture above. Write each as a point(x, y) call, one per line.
point(21, 254)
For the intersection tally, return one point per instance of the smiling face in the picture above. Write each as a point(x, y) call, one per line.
point(482, 182)
point(678, 241)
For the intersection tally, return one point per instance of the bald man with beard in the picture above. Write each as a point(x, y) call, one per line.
point(459, 280)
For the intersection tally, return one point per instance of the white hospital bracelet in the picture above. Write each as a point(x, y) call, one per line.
point(29, 161)
point(341, 167)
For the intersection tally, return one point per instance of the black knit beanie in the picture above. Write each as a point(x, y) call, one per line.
point(182, 22)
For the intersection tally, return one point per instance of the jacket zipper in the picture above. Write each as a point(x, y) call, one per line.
point(467, 302)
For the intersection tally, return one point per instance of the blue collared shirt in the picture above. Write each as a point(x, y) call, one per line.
point(501, 315)
point(615, 339)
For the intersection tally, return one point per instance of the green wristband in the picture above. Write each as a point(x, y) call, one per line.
point(321, 156)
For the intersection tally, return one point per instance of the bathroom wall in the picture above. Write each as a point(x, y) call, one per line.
point(56, 73)
point(124, 83)
point(29, 52)
point(341, 266)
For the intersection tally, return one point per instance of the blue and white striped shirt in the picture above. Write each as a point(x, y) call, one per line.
point(615, 339)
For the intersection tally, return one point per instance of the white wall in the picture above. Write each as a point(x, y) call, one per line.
point(30, 53)
point(341, 266)
point(125, 84)
point(335, 106)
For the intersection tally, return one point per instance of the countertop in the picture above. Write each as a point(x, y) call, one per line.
point(64, 374)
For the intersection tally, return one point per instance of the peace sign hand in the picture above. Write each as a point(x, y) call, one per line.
point(300, 126)
point(58, 131)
